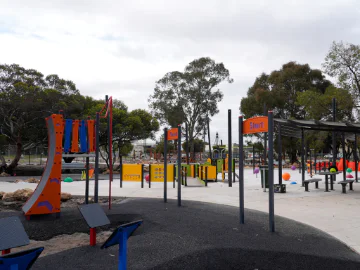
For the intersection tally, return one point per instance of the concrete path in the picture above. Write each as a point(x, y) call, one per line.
point(332, 212)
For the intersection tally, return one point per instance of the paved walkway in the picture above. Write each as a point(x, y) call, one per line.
point(332, 212)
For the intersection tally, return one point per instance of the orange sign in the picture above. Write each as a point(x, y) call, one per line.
point(255, 125)
point(172, 134)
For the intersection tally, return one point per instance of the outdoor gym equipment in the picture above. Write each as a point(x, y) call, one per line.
point(94, 216)
point(46, 197)
point(12, 235)
point(120, 237)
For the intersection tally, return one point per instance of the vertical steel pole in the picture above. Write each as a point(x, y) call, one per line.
point(230, 150)
point(97, 131)
point(356, 159)
point(208, 131)
point(265, 137)
point(280, 154)
point(241, 171)
point(334, 133)
point(87, 181)
point(344, 156)
point(271, 171)
point(253, 156)
point(179, 165)
point(302, 157)
point(165, 164)
point(187, 143)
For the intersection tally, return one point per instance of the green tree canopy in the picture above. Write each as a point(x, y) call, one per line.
point(26, 98)
point(190, 96)
point(343, 63)
point(278, 91)
point(317, 105)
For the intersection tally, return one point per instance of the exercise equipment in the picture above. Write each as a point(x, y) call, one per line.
point(46, 197)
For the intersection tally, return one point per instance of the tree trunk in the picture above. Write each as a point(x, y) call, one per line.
point(2, 164)
point(192, 150)
point(15, 161)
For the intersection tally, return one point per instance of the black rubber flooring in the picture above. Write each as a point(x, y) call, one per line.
point(195, 236)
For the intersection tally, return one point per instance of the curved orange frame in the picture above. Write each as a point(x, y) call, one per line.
point(255, 125)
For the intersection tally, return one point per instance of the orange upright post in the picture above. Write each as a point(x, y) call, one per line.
point(75, 137)
point(91, 134)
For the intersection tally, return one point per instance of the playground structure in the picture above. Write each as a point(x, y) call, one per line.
point(81, 139)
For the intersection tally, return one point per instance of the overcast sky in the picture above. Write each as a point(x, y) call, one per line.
point(121, 48)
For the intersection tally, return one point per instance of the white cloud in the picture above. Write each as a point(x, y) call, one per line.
point(121, 48)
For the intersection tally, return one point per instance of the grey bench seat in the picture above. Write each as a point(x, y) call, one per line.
point(312, 180)
point(344, 183)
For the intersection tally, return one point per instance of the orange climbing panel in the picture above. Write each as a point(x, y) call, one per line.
point(46, 197)
point(75, 137)
point(91, 134)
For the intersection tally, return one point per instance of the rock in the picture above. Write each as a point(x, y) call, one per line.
point(33, 180)
point(1, 194)
point(4, 174)
point(65, 196)
point(18, 181)
point(23, 194)
point(8, 197)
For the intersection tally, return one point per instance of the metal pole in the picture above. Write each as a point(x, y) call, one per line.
point(87, 181)
point(334, 133)
point(315, 160)
point(356, 159)
point(344, 156)
point(280, 155)
point(241, 171)
point(97, 130)
point(310, 163)
point(253, 155)
point(302, 157)
point(165, 164)
point(208, 130)
point(230, 150)
point(187, 144)
point(271, 171)
point(265, 137)
point(179, 165)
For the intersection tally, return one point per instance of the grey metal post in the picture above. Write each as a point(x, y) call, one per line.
point(87, 181)
point(315, 160)
point(187, 144)
point(310, 163)
point(208, 130)
point(165, 164)
point(265, 137)
point(179, 165)
point(344, 156)
point(302, 157)
point(108, 131)
point(334, 133)
point(271, 171)
point(241, 171)
point(280, 155)
point(97, 130)
point(253, 154)
point(356, 159)
point(230, 150)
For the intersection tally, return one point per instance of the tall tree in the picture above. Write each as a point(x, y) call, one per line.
point(190, 96)
point(26, 99)
point(317, 105)
point(343, 62)
point(279, 91)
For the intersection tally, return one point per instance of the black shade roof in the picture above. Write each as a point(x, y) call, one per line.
point(292, 128)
